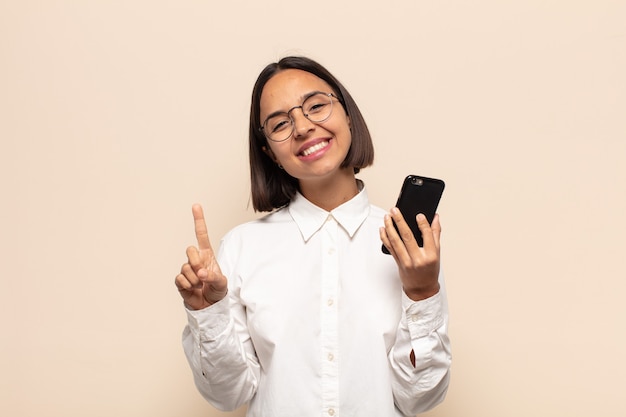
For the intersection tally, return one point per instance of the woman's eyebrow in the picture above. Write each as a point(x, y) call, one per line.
point(312, 93)
point(302, 100)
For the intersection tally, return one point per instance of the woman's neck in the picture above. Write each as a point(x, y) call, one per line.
point(330, 193)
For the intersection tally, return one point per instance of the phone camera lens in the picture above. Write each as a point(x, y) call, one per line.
point(417, 181)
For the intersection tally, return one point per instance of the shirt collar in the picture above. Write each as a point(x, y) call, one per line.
point(310, 218)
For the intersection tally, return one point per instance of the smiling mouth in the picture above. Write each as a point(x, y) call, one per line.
point(314, 148)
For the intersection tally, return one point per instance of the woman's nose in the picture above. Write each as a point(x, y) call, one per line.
point(301, 124)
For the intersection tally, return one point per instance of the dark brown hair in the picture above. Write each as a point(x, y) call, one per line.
point(271, 186)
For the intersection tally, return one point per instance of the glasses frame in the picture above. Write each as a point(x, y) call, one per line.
point(293, 122)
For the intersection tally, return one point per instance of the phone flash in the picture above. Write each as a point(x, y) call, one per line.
point(417, 181)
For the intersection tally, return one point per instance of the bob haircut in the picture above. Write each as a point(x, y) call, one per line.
point(271, 186)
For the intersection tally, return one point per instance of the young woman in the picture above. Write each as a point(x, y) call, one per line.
point(300, 313)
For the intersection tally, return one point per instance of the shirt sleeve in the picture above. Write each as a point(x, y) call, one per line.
point(220, 352)
point(423, 329)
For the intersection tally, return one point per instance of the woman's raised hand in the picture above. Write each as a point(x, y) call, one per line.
point(418, 266)
point(200, 281)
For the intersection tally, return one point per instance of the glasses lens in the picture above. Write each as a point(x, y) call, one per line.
point(318, 107)
point(278, 128)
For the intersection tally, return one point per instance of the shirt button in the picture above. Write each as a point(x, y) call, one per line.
point(331, 251)
point(331, 357)
point(330, 302)
point(331, 411)
point(414, 317)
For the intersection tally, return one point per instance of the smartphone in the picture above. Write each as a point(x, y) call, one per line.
point(418, 195)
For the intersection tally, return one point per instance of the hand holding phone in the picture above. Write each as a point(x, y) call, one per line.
point(418, 259)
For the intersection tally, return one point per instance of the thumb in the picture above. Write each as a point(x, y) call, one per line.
point(214, 284)
point(203, 274)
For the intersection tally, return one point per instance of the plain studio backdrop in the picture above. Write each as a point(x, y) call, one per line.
point(117, 116)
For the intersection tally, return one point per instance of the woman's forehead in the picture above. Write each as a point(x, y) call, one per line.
point(288, 88)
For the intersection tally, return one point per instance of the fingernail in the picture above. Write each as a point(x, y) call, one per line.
point(395, 210)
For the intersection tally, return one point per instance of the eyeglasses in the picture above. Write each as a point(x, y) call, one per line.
point(317, 107)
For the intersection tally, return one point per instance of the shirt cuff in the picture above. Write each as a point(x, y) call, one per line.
point(423, 317)
point(211, 321)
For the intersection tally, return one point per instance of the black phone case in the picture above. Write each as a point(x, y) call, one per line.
point(418, 195)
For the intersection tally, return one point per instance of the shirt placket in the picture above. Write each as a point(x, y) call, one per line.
point(329, 336)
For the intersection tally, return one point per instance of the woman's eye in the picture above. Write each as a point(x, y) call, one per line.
point(280, 124)
point(316, 107)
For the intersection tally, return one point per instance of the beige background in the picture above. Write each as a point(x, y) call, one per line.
point(116, 116)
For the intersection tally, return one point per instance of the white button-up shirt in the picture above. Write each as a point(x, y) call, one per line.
point(316, 322)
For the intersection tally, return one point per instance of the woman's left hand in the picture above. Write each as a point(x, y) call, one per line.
point(418, 266)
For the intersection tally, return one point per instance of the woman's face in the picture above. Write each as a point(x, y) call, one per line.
point(314, 151)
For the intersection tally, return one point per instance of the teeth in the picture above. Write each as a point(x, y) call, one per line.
point(314, 148)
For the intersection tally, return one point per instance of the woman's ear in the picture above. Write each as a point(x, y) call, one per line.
point(269, 153)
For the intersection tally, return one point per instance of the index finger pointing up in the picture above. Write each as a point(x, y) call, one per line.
point(202, 236)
